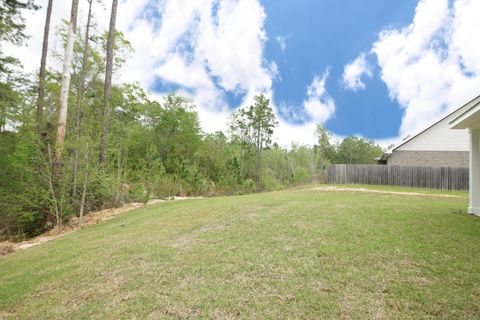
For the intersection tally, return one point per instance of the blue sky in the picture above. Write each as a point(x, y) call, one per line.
point(321, 34)
point(382, 69)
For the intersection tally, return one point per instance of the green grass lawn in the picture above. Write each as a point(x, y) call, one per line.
point(289, 254)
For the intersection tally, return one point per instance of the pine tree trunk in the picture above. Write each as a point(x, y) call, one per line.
point(41, 76)
point(3, 117)
point(80, 99)
point(108, 86)
point(84, 189)
point(257, 158)
point(51, 184)
point(62, 112)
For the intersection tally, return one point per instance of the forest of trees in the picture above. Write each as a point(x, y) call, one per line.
point(71, 142)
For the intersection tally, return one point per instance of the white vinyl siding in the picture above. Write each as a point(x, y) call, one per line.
point(440, 137)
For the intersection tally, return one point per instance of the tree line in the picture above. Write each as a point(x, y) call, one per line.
point(72, 142)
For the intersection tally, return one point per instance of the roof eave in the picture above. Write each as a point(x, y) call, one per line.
point(470, 119)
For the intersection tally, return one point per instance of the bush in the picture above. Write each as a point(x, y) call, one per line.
point(137, 193)
point(167, 187)
point(105, 191)
point(249, 186)
point(301, 175)
point(270, 182)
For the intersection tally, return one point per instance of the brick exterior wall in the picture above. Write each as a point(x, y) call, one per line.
point(429, 158)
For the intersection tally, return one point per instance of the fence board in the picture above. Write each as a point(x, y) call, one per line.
point(420, 177)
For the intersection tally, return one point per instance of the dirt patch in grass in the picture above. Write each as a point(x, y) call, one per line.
point(173, 311)
point(332, 188)
point(6, 247)
point(193, 237)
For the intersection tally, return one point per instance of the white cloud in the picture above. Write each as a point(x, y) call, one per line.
point(319, 105)
point(209, 47)
point(232, 46)
point(464, 26)
point(288, 133)
point(282, 42)
point(353, 72)
point(432, 66)
point(318, 108)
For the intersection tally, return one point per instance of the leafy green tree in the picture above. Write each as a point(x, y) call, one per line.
point(324, 149)
point(254, 126)
point(22, 198)
point(240, 131)
point(356, 150)
point(10, 98)
point(278, 167)
point(177, 131)
point(214, 163)
point(262, 122)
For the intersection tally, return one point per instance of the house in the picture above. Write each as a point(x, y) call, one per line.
point(469, 120)
point(436, 146)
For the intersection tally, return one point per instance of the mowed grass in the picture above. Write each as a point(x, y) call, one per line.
point(300, 254)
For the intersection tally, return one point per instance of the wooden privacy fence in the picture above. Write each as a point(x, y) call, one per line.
point(421, 177)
